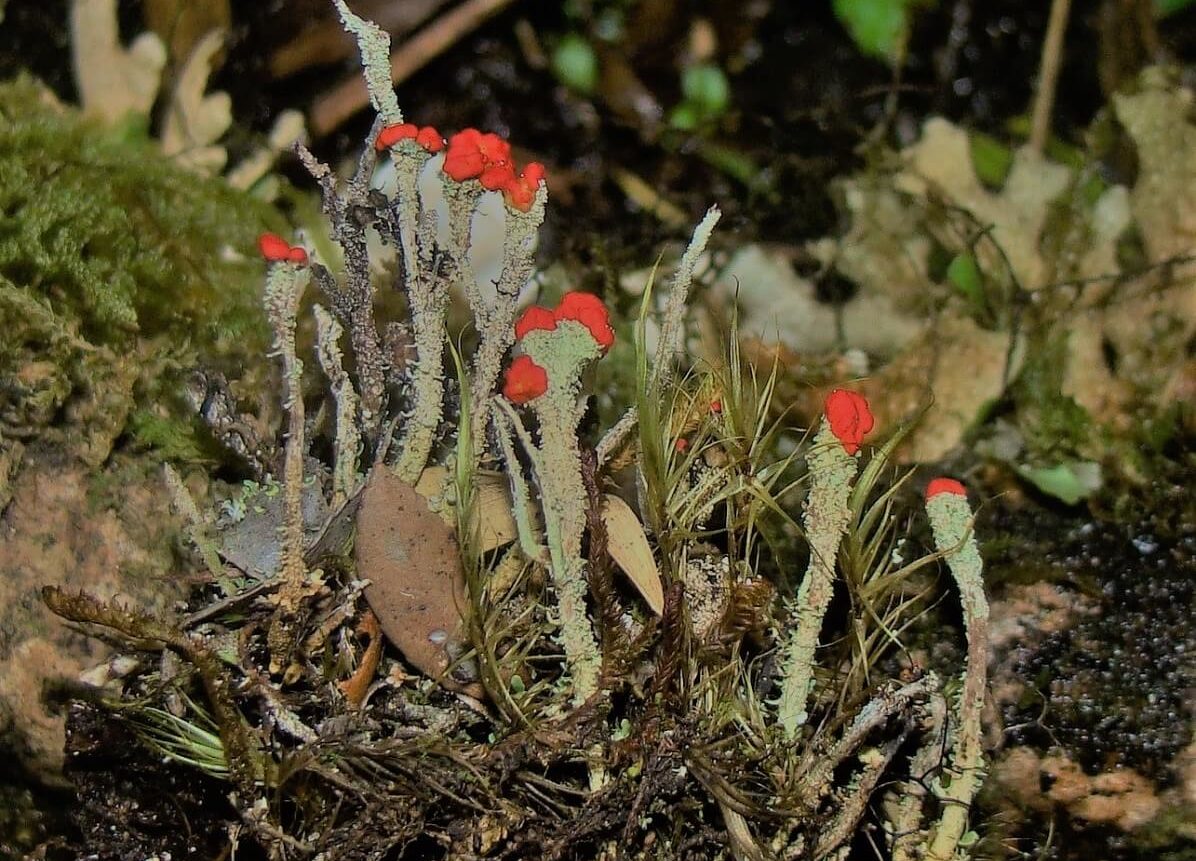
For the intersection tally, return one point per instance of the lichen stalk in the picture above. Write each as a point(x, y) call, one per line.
point(348, 434)
point(496, 327)
point(353, 303)
point(825, 519)
point(428, 299)
point(462, 199)
point(672, 330)
point(284, 288)
point(906, 814)
point(565, 352)
point(373, 43)
point(951, 522)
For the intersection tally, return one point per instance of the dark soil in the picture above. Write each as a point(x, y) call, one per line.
point(130, 804)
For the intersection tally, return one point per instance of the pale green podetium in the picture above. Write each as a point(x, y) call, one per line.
point(825, 519)
point(564, 353)
point(951, 521)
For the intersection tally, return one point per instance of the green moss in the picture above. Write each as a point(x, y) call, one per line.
point(116, 235)
point(118, 272)
point(1053, 425)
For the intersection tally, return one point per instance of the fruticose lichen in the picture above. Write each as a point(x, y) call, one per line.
point(555, 712)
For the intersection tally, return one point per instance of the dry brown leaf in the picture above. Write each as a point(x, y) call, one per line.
point(358, 685)
point(628, 546)
point(417, 588)
point(626, 541)
point(493, 503)
point(194, 121)
point(112, 81)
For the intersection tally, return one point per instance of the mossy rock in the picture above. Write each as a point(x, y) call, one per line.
point(120, 274)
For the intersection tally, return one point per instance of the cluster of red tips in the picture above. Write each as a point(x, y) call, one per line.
point(525, 381)
point(427, 137)
point(487, 158)
point(520, 191)
point(277, 250)
point(584, 308)
point(850, 418)
point(944, 485)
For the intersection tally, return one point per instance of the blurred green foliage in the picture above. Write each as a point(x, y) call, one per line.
point(879, 27)
point(575, 64)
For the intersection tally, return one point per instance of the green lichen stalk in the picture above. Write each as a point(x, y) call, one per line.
point(951, 521)
point(284, 288)
point(496, 323)
point(565, 352)
point(348, 434)
point(428, 298)
point(826, 516)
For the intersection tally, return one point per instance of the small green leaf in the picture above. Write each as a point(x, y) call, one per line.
point(991, 159)
point(1067, 482)
point(575, 64)
point(517, 685)
point(684, 117)
point(878, 27)
point(705, 87)
point(964, 275)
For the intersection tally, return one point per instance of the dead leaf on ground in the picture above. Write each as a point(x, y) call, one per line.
point(495, 516)
point(417, 587)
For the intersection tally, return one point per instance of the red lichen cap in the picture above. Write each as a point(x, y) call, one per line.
point(391, 135)
point(496, 177)
point(464, 160)
point(681, 444)
point(471, 154)
point(849, 417)
point(430, 139)
point(525, 381)
point(534, 318)
point(716, 407)
point(520, 191)
point(273, 247)
point(944, 485)
point(587, 309)
point(297, 255)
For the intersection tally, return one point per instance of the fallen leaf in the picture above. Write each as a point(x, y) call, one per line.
point(493, 504)
point(417, 587)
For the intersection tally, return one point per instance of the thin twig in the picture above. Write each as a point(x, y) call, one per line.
point(349, 96)
point(1048, 74)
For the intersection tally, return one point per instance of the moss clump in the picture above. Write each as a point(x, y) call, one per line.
point(116, 266)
